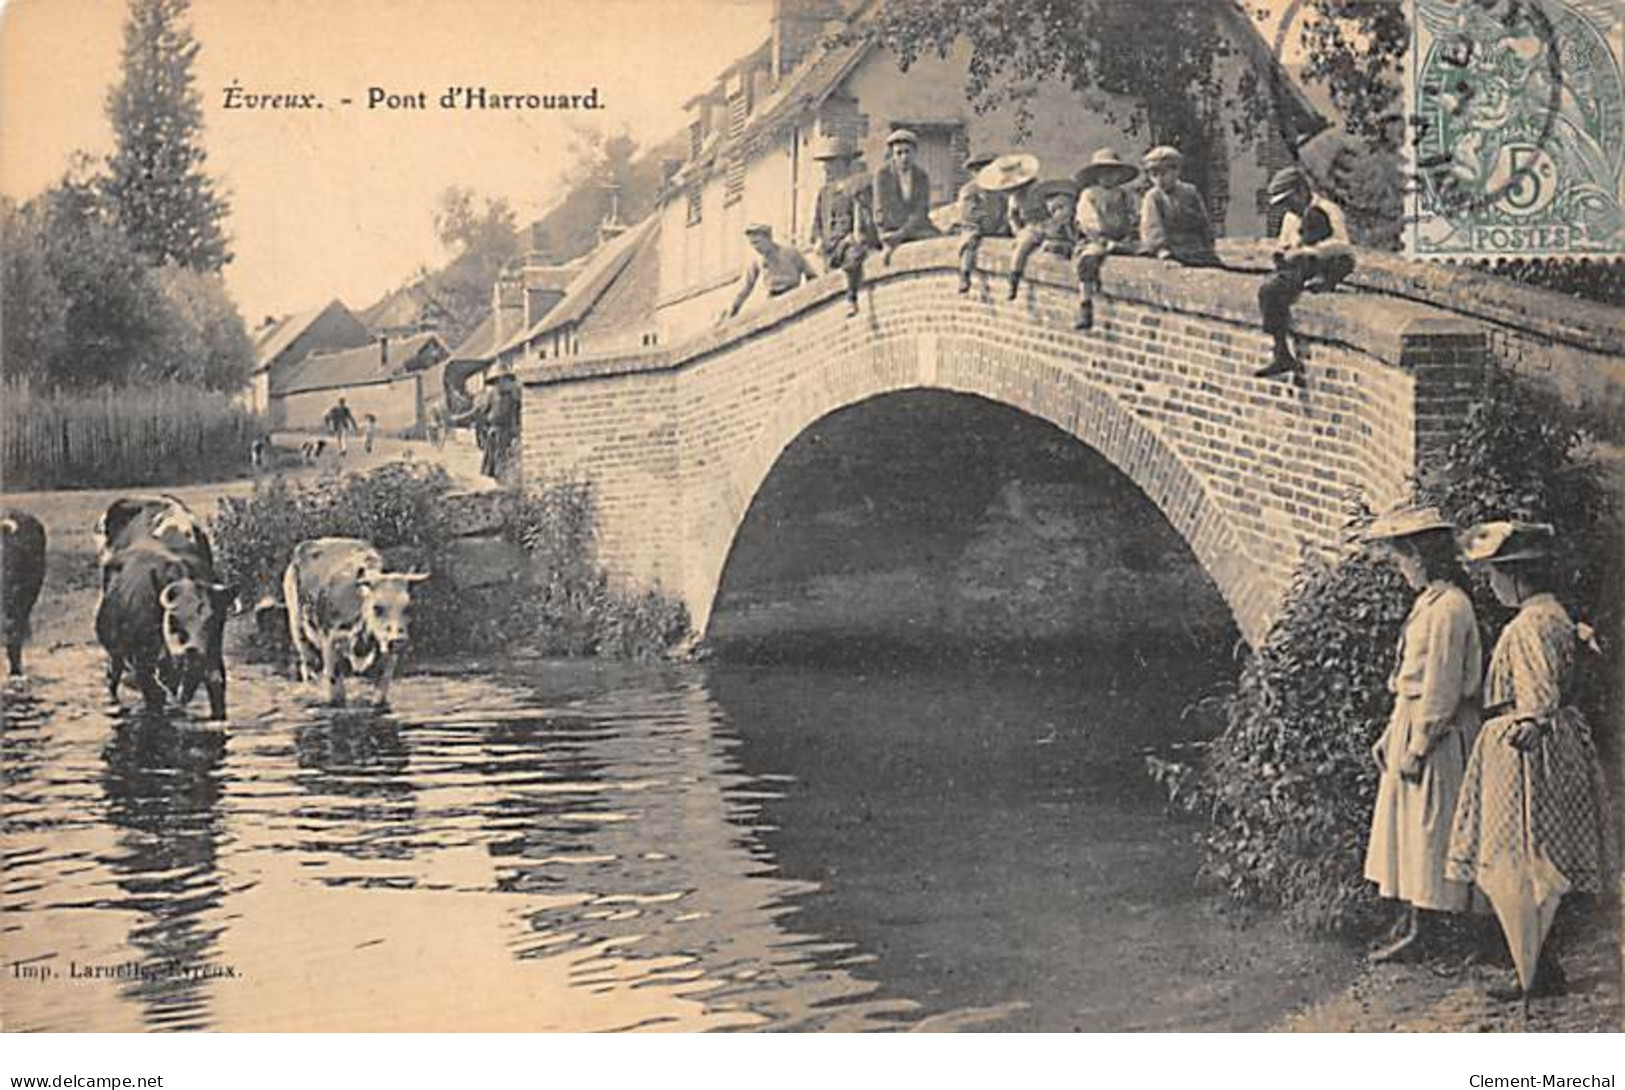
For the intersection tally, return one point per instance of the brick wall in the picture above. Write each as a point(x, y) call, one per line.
point(1250, 472)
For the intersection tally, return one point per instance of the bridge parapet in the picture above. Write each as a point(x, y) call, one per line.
point(1251, 472)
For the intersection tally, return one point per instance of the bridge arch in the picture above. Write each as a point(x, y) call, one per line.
point(1251, 472)
point(1015, 382)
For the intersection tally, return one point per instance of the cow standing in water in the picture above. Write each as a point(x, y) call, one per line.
point(162, 613)
point(349, 612)
point(162, 518)
point(22, 571)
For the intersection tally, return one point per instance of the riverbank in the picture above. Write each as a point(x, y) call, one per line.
point(1417, 998)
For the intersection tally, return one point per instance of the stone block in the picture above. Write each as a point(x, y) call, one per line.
point(485, 561)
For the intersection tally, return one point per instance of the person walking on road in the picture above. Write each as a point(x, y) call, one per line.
point(340, 423)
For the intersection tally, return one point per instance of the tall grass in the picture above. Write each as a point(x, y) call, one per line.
point(114, 436)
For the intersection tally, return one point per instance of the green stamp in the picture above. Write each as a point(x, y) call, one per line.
point(1518, 128)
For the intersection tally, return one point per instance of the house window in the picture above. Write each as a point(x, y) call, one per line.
point(694, 194)
point(696, 139)
point(734, 187)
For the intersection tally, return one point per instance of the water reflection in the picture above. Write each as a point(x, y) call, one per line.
point(163, 792)
point(590, 847)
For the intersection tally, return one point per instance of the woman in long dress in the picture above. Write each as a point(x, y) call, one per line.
point(1422, 754)
point(1529, 825)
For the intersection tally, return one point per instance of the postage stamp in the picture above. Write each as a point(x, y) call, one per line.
point(1517, 110)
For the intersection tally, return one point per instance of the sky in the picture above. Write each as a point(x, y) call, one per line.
point(339, 201)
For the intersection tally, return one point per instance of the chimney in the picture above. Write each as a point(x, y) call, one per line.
point(538, 244)
point(508, 303)
point(797, 27)
point(668, 170)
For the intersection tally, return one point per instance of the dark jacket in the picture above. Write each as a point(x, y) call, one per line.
point(842, 212)
point(900, 220)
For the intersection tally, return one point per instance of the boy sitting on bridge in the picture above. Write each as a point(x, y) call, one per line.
point(1312, 254)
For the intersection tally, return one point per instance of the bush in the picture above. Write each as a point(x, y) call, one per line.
point(566, 606)
point(114, 436)
point(1287, 789)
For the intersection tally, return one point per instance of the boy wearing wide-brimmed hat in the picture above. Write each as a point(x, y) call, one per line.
point(1054, 233)
point(843, 224)
point(1312, 254)
point(1173, 216)
point(782, 267)
point(983, 213)
point(902, 195)
point(1106, 222)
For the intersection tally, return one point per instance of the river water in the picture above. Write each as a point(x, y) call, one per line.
point(536, 846)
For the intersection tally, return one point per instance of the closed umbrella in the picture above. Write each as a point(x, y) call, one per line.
point(1525, 898)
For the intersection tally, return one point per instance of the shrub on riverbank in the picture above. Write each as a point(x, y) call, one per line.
point(113, 436)
point(564, 606)
point(1287, 789)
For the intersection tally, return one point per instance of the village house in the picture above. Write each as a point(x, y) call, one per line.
point(752, 136)
point(280, 344)
point(384, 378)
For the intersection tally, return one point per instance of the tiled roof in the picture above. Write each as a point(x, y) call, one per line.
point(281, 336)
point(480, 344)
point(599, 272)
point(824, 71)
point(356, 366)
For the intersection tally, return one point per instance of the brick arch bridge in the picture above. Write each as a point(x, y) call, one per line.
point(1250, 472)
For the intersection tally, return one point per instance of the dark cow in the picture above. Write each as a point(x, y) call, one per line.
point(346, 609)
point(22, 570)
point(161, 518)
point(162, 617)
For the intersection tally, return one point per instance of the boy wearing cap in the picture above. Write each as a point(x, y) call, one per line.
point(843, 225)
point(983, 213)
point(1105, 217)
point(1312, 253)
point(1173, 216)
point(902, 195)
point(1053, 232)
point(782, 267)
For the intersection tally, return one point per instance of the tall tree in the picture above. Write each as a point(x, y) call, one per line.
point(157, 188)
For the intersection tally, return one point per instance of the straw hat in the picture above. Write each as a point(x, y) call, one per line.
point(1407, 521)
point(1504, 541)
point(1106, 168)
point(500, 369)
point(1008, 172)
point(1163, 154)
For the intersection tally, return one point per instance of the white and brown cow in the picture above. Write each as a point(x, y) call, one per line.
point(348, 611)
point(162, 618)
point(162, 518)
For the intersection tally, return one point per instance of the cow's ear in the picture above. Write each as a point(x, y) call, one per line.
point(166, 597)
point(415, 576)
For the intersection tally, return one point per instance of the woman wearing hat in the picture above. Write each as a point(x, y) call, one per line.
point(1529, 825)
point(1106, 224)
point(1422, 754)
